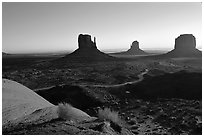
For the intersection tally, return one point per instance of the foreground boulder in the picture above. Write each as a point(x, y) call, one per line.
point(19, 101)
point(23, 109)
point(25, 112)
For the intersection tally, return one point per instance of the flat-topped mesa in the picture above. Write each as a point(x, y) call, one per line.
point(185, 42)
point(85, 42)
point(185, 46)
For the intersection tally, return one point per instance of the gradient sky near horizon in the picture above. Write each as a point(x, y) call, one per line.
point(50, 27)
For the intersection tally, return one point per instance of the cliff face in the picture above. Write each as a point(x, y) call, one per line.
point(185, 46)
point(85, 42)
point(185, 42)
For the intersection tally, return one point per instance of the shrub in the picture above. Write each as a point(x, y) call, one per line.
point(107, 114)
point(64, 111)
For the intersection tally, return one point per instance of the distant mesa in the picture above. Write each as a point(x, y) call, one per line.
point(134, 50)
point(185, 46)
point(87, 51)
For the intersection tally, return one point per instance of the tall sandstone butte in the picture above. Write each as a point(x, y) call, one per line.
point(85, 42)
point(185, 46)
point(87, 51)
point(134, 50)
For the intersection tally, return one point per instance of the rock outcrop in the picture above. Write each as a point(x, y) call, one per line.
point(185, 46)
point(185, 42)
point(87, 51)
point(23, 110)
point(85, 42)
point(134, 50)
point(18, 101)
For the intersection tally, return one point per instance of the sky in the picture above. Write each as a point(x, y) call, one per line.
point(52, 27)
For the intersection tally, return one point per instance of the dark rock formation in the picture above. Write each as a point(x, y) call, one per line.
point(134, 50)
point(186, 41)
point(134, 46)
point(185, 46)
point(87, 51)
point(85, 42)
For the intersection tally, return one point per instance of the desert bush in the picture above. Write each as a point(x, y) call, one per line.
point(107, 114)
point(64, 111)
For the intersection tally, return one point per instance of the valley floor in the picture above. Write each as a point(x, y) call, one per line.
point(95, 82)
